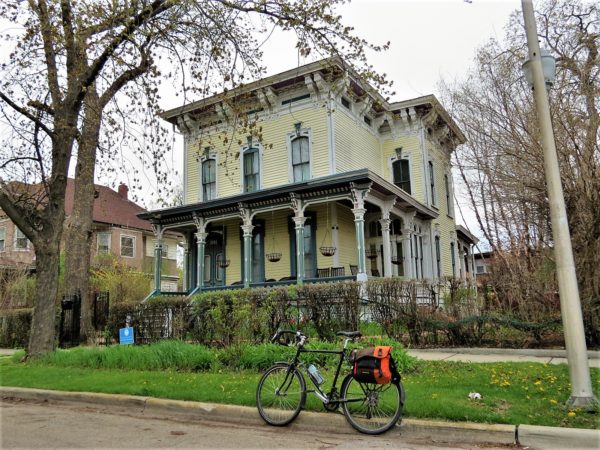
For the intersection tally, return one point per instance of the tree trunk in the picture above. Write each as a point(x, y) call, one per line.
point(43, 326)
point(79, 229)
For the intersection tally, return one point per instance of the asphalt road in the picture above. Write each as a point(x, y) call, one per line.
point(31, 424)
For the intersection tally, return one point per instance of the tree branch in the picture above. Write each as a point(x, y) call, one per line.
point(27, 114)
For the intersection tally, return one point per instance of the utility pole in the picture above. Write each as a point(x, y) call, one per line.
point(570, 305)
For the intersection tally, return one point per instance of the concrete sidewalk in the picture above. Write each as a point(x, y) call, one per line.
point(488, 355)
point(476, 434)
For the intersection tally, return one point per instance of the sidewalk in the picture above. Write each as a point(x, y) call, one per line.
point(484, 355)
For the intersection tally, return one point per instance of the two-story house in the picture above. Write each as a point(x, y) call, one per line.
point(116, 231)
point(312, 174)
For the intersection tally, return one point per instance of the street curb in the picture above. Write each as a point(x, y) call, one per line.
point(466, 432)
point(537, 352)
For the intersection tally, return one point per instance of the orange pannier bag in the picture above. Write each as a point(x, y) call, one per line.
point(374, 365)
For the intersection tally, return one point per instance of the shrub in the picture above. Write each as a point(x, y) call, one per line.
point(15, 326)
point(125, 284)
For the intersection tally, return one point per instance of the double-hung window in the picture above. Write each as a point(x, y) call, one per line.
point(300, 159)
point(209, 179)
point(401, 174)
point(432, 182)
point(103, 241)
point(251, 169)
point(2, 238)
point(449, 205)
point(127, 246)
point(438, 256)
point(21, 241)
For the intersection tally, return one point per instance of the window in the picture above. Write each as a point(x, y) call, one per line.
point(438, 256)
point(401, 174)
point(127, 246)
point(2, 238)
point(480, 268)
point(300, 159)
point(367, 120)
point(295, 99)
point(449, 206)
point(453, 257)
point(103, 242)
point(346, 103)
point(209, 179)
point(432, 182)
point(251, 170)
point(21, 242)
point(165, 251)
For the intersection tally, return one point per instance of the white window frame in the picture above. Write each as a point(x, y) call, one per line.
point(3, 240)
point(450, 193)
point(211, 155)
point(103, 233)
point(243, 150)
point(121, 245)
point(16, 239)
point(432, 187)
point(165, 251)
point(407, 156)
point(304, 132)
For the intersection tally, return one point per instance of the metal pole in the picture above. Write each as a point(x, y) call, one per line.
point(570, 305)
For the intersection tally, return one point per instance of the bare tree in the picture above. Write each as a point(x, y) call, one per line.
point(502, 165)
point(60, 98)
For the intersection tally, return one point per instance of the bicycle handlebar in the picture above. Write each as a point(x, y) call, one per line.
point(300, 336)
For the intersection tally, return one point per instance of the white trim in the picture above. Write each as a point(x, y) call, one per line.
point(331, 135)
point(304, 132)
point(16, 237)
point(106, 233)
point(406, 156)
point(185, 168)
point(3, 249)
point(211, 155)
point(121, 236)
point(243, 149)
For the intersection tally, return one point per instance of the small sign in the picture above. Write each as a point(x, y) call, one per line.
point(126, 336)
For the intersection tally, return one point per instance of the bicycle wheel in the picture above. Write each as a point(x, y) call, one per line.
point(372, 408)
point(280, 394)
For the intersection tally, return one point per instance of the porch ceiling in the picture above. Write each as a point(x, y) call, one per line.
point(332, 186)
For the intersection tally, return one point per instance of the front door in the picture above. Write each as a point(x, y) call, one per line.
point(214, 258)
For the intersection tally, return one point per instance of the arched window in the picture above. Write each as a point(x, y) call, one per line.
point(300, 159)
point(209, 179)
point(401, 174)
point(251, 168)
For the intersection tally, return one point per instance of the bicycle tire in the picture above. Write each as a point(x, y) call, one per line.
point(372, 408)
point(275, 408)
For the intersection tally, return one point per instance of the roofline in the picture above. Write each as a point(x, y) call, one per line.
point(360, 175)
point(467, 233)
point(439, 108)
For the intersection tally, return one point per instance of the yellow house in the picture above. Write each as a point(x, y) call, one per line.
point(312, 175)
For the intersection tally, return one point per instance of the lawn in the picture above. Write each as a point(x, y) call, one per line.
point(513, 393)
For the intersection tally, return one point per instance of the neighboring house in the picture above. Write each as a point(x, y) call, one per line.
point(465, 269)
point(332, 181)
point(483, 263)
point(116, 230)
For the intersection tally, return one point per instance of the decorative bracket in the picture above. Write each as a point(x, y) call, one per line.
point(359, 194)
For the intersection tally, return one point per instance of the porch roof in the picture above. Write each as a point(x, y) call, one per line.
point(330, 185)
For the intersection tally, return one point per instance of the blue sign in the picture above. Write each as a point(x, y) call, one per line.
point(126, 336)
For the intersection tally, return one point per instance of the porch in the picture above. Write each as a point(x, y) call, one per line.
point(349, 226)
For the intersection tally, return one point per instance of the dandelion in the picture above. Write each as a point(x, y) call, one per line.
point(571, 414)
point(433, 396)
point(538, 382)
point(554, 402)
point(505, 383)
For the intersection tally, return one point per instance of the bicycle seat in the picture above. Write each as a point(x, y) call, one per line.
point(349, 334)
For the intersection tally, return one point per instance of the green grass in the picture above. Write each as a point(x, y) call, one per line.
point(513, 393)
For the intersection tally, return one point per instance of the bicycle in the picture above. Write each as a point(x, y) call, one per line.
point(369, 408)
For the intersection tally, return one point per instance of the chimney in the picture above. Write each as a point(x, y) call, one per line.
point(123, 190)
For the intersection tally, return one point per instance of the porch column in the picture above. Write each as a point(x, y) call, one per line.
point(200, 244)
point(385, 234)
point(299, 228)
point(359, 194)
point(407, 252)
point(158, 232)
point(387, 249)
point(247, 228)
point(186, 262)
